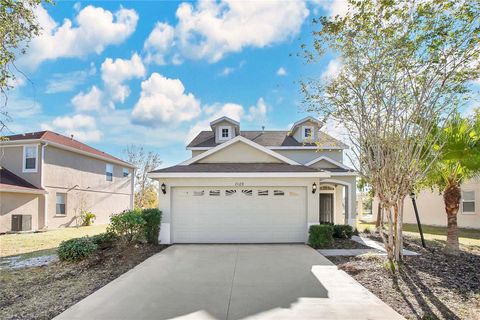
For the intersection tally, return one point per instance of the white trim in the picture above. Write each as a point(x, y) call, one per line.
point(23, 191)
point(220, 134)
point(244, 140)
point(15, 143)
point(351, 207)
point(327, 148)
point(312, 133)
point(334, 162)
point(45, 197)
point(344, 174)
point(159, 175)
point(474, 203)
point(309, 118)
point(224, 118)
point(24, 160)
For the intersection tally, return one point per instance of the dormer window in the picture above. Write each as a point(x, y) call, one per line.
point(307, 132)
point(225, 133)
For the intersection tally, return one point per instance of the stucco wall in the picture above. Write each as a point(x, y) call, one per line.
point(350, 182)
point(305, 156)
point(239, 152)
point(431, 209)
point(19, 203)
point(11, 158)
point(83, 179)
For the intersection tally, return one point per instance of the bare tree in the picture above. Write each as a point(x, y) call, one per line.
point(405, 67)
point(145, 188)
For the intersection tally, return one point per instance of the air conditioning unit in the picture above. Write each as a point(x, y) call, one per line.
point(21, 222)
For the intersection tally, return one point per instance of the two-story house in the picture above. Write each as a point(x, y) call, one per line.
point(47, 180)
point(256, 186)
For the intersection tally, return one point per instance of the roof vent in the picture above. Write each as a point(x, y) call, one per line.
point(71, 137)
point(263, 128)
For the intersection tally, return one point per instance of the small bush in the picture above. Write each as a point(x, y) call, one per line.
point(320, 236)
point(342, 231)
point(152, 218)
point(355, 232)
point(367, 230)
point(87, 218)
point(104, 240)
point(76, 249)
point(128, 226)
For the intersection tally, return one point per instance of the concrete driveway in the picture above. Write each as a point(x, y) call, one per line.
point(233, 282)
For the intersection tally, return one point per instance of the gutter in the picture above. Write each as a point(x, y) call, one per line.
point(158, 175)
point(45, 197)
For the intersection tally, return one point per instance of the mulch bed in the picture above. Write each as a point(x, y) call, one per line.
point(44, 292)
point(346, 244)
point(431, 286)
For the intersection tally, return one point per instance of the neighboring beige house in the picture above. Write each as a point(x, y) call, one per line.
point(256, 186)
point(47, 179)
point(431, 208)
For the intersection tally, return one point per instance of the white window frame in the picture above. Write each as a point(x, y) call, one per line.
point(474, 202)
point(125, 170)
point(220, 136)
point(64, 204)
point(304, 137)
point(24, 162)
point(106, 171)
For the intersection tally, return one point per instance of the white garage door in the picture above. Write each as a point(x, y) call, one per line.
point(239, 215)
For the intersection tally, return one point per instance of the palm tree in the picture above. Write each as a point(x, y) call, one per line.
point(459, 161)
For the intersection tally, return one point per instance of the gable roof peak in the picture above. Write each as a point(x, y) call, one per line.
point(224, 118)
point(309, 118)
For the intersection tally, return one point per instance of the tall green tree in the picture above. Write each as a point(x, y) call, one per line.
point(18, 25)
point(458, 162)
point(404, 67)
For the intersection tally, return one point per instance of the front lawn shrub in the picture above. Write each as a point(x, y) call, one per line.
point(320, 236)
point(342, 231)
point(76, 249)
point(152, 218)
point(128, 226)
point(87, 218)
point(104, 240)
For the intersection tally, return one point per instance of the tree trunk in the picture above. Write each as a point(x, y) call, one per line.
point(451, 198)
point(379, 215)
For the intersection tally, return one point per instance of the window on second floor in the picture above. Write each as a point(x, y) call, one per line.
point(109, 172)
point(225, 133)
point(30, 158)
point(126, 172)
point(307, 132)
point(468, 201)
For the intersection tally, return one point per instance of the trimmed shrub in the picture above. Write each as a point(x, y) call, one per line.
point(320, 236)
point(151, 229)
point(104, 240)
point(128, 226)
point(342, 231)
point(76, 249)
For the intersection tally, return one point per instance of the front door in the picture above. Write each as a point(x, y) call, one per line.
point(326, 207)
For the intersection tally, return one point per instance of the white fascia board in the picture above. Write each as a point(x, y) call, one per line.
point(244, 140)
point(348, 174)
point(159, 175)
point(23, 191)
point(277, 148)
point(338, 164)
point(17, 143)
point(224, 118)
point(309, 118)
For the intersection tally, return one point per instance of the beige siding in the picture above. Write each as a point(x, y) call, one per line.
point(11, 158)
point(323, 164)
point(83, 179)
point(19, 203)
point(431, 209)
point(239, 152)
point(197, 152)
point(233, 128)
point(305, 156)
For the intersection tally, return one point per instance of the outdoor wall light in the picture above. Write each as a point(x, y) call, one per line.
point(314, 187)
point(163, 187)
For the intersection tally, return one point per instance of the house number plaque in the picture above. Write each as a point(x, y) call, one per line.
point(239, 184)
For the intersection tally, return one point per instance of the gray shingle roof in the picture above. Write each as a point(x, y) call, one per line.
point(268, 139)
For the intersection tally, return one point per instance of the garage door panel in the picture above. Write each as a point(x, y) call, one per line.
point(238, 215)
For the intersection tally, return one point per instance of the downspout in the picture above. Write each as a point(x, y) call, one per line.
point(132, 190)
point(45, 197)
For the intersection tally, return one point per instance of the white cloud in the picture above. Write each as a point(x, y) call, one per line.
point(226, 71)
point(19, 107)
point(114, 73)
point(281, 72)
point(333, 69)
point(333, 7)
point(93, 29)
point(209, 30)
point(257, 112)
point(164, 101)
point(82, 127)
point(65, 82)
point(159, 43)
point(88, 101)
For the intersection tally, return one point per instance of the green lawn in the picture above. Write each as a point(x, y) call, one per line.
point(468, 237)
point(43, 242)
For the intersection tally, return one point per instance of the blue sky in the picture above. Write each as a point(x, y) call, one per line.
point(156, 73)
